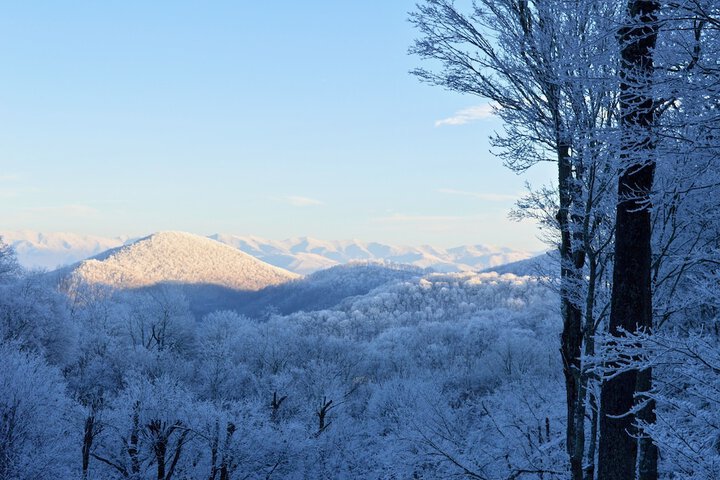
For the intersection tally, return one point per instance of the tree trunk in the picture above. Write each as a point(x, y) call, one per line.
point(160, 449)
point(88, 437)
point(571, 339)
point(215, 444)
point(225, 467)
point(631, 304)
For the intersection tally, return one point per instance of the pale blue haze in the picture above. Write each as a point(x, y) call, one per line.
point(275, 119)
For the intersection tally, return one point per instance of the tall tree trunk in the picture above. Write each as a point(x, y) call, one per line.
point(631, 304)
point(571, 339)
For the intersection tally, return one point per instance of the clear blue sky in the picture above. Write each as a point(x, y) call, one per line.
point(275, 119)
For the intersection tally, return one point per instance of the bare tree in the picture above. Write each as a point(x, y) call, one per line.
point(549, 68)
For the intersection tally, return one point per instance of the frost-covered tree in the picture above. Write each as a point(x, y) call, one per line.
point(549, 69)
point(9, 265)
point(159, 320)
point(35, 315)
point(147, 431)
point(37, 434)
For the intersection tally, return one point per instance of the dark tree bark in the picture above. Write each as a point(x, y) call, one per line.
point(88, 438)
point(161, 434)
point(275, 405)
point(214, 446)
point(631, 305)
point(321, 413)
point(226, 458)
point(571, 338)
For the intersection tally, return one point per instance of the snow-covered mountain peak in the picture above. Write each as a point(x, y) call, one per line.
point(179, 257)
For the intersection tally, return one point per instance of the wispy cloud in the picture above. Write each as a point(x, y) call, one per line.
point(73, 210)
point(486, 197)
point(467, 115)
point(10, 177)
point(297, 201)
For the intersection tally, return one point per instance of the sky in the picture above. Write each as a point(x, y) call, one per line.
point(275, 119)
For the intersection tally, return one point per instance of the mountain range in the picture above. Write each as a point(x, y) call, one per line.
point(215, 274)
point(301, 255)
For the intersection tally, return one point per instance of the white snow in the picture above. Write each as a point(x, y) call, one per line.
point(52, 250)
point(183, 258)
point(306, 254)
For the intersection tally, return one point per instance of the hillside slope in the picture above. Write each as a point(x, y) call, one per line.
point(176, 257)
point(323, 289)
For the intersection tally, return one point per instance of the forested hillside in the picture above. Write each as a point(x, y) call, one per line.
point(403, 382)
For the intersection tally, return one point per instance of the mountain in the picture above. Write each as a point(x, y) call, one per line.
point(302, 255)
point(178, 258)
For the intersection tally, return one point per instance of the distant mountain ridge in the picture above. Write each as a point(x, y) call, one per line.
point(302, 255)
point(52, 250)
point(544, 265)
point(307, 255)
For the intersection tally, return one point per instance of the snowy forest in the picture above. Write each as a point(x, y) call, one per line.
point(602, 363)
